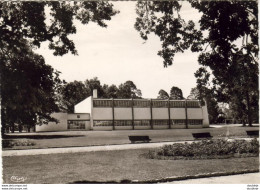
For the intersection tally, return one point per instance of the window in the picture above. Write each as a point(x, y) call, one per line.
point(123, 103)
point(195, 121)
point(160, 122)
point(159, 104)
point(142, 103)
point(142, 123)
point(78, 116)
point(178, 122)
point(123, 123)
point(102, 103)
point(76, 124)
point(193, 104)
point(102, 123)
point(177, 104)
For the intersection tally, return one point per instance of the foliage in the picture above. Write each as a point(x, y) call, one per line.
point(175, 94)
point(207, 149)
point(30, 21)
point(72, 94)
point(128, 90)
point(28, 89)
point(163, 95)
point(227, 42)
point(20, 142)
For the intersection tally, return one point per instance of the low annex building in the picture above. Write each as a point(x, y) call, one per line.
point(131, 114)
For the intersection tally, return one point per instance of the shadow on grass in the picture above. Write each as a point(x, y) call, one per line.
point(39, 136)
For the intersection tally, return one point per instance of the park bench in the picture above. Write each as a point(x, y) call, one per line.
point(253, 133)
point(205, 135)
point(134, 139)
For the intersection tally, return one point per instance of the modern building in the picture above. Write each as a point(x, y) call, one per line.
point(95, 113)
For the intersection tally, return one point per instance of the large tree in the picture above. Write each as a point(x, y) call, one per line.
point(227, 40)
point(28, 85)
point(162, 94)
point(28, 89)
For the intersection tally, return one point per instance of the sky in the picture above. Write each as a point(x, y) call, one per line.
point(117, 54)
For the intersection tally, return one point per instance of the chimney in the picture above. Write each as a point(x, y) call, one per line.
point(95, 94)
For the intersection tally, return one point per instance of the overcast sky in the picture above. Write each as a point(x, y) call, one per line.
point(117, 53)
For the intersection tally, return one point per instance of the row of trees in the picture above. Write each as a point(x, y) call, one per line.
point(74, 92)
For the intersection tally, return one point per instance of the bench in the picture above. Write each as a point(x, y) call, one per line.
point(133, 139)
point(254, 133)
point(205, 135)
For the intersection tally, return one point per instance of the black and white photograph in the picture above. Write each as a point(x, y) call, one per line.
point(129, 92)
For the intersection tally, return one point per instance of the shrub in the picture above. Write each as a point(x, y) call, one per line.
point(207, 149)
point(20, 142)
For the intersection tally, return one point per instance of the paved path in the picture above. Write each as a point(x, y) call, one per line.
point(251, 178)
point(85, 149)
point(91, 148)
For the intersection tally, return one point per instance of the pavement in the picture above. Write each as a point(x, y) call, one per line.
point(250, 178)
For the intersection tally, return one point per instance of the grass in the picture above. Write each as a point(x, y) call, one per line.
point(112, 166)
point(90, 138)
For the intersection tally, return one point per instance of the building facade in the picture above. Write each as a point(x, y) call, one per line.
point(131, 114)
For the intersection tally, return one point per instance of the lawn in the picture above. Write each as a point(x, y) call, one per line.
point(112, 166)
point(89, 138)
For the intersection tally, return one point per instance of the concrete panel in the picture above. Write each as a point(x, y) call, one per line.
point(123, 113)
point(177, 113)
point(102, 114)
point(142, 127)
point(52, 126)
point(160, 113)
point(178, 126)
point(161, 127)
point(195, 113)
point(142, 113)
point(103, 128)
point(194, 126)
point(123, 127)
point(78, 116)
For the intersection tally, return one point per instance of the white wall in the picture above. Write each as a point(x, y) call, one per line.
point(52, 126)
point(142, 113)
point(195, 113)
point(160, 113)
point(84, 106)
point(103, 128)
point(102, 114)
point(123, 113)
point(82, 116)
point(177, 113)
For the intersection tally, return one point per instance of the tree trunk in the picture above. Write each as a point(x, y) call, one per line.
point(249, 114)
point(12, 128)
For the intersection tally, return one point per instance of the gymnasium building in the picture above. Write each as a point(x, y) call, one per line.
point(95, 113)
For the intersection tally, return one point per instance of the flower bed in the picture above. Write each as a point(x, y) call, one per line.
point(206, 149)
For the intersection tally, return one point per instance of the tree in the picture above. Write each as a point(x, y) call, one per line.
point(92, 84)
point(228, 44)
point(72, 94)
point(28, 89)
point(112, 91)
point(28, 20)
point(176, 93)
point(128, 90)
point(163, 95)
point(28, 86)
